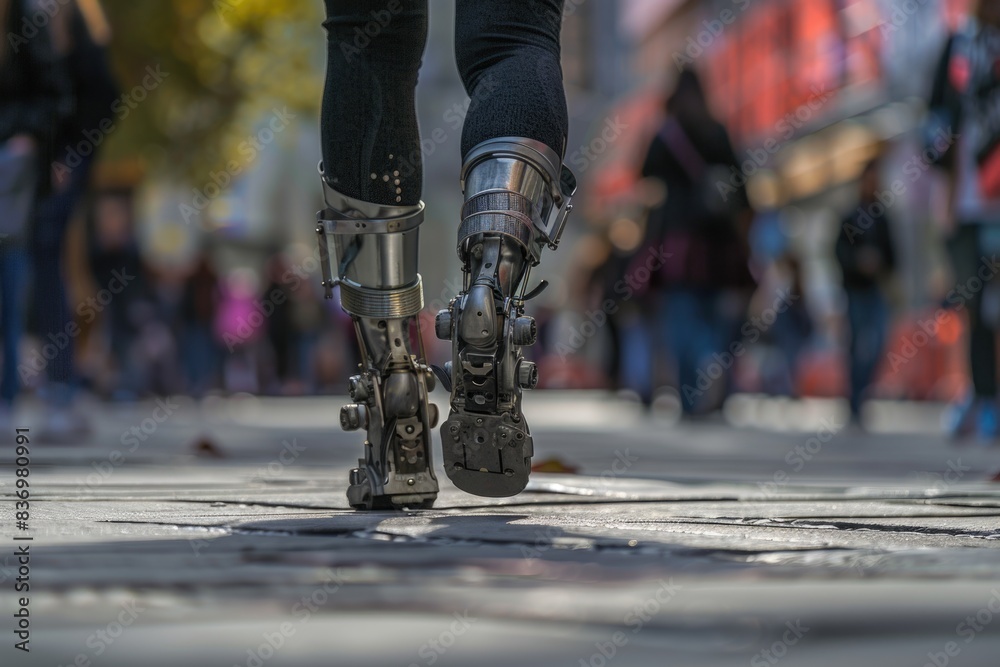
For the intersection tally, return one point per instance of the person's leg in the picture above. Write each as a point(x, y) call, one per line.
point(369, 229)
point(371, 142)
point(51, 309)
point(13, 263)
point(866, 315)
point(982, 351)
point(678, 320)
point(517, 195)
point(965, 249)
point(508, 57)
point(855, 324)
point(636, 367)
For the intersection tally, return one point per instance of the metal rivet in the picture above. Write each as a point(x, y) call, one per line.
point(411, 481)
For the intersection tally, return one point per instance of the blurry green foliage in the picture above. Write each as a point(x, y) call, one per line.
point(228, 63)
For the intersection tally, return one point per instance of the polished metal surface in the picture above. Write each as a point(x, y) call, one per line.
point(382, 304)
point(373, 246)
point(377, 261)
point(529, 168)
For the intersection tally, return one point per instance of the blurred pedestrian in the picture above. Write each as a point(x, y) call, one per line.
point(866, 255)
point(32, 100)
point(778, 271)
point(698, 239)
point(80, 36)
point(282, 335)
point(200, 354)
point(123, 289)
point(965, 104)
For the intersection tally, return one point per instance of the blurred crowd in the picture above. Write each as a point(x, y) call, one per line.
point(693, 288)
point(703, 287)
point(103, 319)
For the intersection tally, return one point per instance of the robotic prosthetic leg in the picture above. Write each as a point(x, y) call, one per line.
point(517, 196)
point(374, 253)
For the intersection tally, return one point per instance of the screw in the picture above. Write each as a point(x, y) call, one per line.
point(508, 472)
point(409, 429)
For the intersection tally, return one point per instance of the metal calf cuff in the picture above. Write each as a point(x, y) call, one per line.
point(370, 250)
point(540, 193)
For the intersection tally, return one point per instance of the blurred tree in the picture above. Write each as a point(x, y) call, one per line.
point(223, 66)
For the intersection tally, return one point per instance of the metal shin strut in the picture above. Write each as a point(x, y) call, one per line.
point(517, 198)
point(370, 251)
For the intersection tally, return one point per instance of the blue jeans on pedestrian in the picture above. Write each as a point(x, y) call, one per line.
point(690, 329)
point(868, 318)
point(13, 269)
point(51, 308)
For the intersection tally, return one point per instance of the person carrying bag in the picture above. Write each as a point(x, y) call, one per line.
point(33, 97)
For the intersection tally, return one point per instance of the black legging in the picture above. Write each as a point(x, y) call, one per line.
point(508, 56)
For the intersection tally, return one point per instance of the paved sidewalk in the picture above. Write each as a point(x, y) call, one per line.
point(221, 536)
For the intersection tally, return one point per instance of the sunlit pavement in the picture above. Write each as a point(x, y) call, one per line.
point(220, 535)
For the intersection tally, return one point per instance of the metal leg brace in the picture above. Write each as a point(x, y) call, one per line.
point(370, 251)
point(517, 198)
